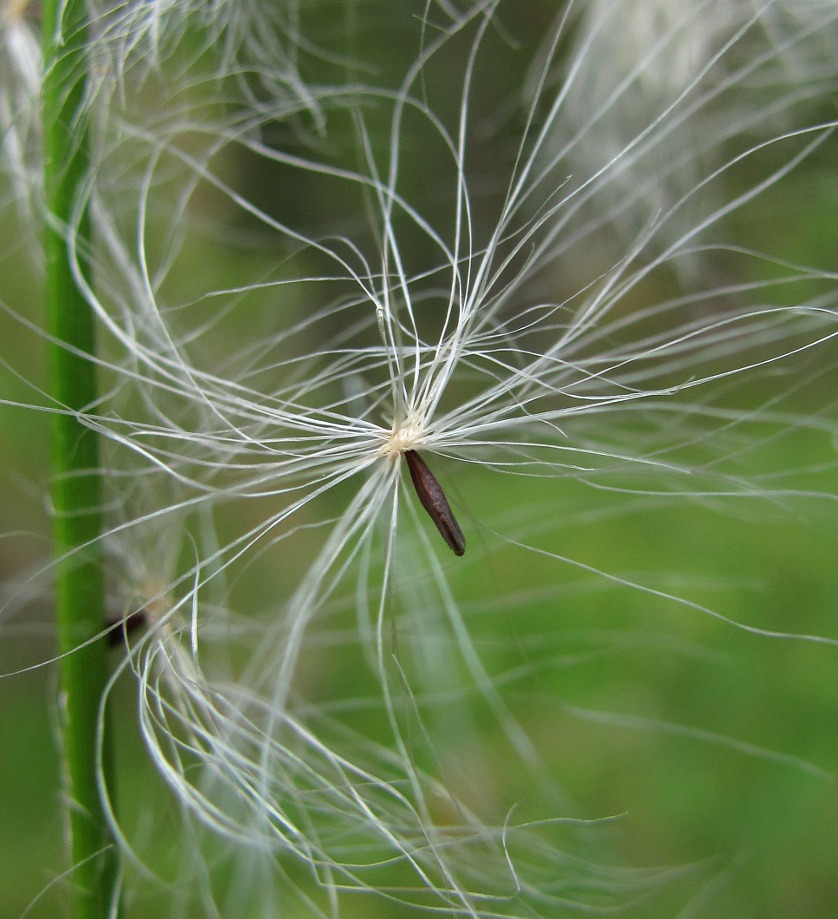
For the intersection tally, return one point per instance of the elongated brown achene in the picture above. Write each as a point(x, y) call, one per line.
point(432, 498)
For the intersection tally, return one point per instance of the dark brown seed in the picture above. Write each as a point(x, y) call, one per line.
point(134, 621)
point(432, 498)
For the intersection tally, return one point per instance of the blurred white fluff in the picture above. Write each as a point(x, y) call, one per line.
point(20, 112)
point(662, 91)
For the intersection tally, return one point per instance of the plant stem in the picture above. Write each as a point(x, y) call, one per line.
point(76, 489)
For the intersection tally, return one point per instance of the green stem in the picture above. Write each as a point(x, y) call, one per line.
point(76, 490)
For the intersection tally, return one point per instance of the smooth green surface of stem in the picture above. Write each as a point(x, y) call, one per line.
point(76, 490)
